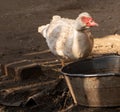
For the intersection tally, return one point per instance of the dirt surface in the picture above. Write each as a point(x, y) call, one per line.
point(19, 21)
point(20, 40)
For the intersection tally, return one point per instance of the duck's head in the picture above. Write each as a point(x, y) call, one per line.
point(85, 20)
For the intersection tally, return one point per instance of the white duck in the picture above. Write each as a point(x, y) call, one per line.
point(69, 38)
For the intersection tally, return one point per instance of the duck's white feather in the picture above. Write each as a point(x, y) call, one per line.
point(64, 40)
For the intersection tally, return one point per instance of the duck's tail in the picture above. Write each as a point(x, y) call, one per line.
point(43, 30)
point(56, 18)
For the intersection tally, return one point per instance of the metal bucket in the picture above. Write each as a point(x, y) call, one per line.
point(94, 82)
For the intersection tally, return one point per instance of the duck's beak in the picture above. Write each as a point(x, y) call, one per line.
point(93, 23)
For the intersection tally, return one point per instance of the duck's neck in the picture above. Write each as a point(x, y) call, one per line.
point(79, 26)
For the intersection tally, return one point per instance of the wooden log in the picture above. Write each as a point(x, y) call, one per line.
point(22, 70)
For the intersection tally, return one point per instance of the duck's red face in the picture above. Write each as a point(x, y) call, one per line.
point(89, 21)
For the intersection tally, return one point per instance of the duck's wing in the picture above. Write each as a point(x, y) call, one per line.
point(56, 27)
point(58, 35)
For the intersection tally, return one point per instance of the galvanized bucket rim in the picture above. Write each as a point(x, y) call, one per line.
point(96, 74)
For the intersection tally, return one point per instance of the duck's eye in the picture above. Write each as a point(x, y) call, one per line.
point(90, 21)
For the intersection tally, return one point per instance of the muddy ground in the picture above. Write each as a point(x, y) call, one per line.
point(19, 38)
